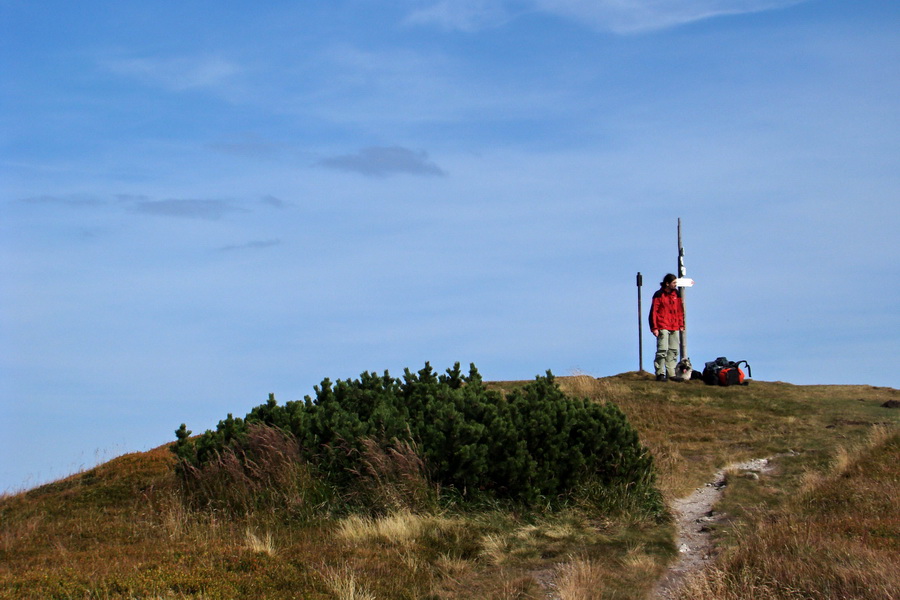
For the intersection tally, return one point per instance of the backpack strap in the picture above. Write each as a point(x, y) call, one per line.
point(740, 362)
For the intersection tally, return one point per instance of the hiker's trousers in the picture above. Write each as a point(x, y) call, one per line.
point(667, 345)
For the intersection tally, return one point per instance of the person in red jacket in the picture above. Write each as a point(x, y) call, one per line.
point(666, 323)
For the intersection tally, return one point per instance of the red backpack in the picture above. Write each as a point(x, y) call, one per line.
point(725, 372)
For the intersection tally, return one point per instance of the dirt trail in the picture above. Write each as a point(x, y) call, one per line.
point(693, 515)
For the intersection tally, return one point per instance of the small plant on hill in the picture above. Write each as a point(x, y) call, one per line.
point(533, 445)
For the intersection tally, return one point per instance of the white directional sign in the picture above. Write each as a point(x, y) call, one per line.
point(684, 282)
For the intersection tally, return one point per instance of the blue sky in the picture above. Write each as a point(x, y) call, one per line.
point(205, 202)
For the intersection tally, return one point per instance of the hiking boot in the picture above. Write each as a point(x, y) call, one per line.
point(662, 378)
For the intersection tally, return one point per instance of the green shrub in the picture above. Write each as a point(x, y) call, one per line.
point(533, 445)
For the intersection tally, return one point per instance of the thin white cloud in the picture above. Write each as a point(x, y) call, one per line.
point(464, 15)
point(634, 16)
point(69, 201)
point(380, 161)
point(253, 245)
point(618, 16)
point(247, 144)
point(176, 74)
point(190, 209)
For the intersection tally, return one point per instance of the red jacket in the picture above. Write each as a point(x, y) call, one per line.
point(666, 311)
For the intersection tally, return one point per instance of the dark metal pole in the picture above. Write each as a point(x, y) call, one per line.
point(681, 273)
point(640, 281)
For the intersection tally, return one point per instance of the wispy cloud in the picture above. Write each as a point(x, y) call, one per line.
point(69, 201)
point(273, 201)
point(378, 161)
point(176, 74)
point(247, 145)
point(253, 245)
point(634, 16)
point(190, 209)
point(463, 15)
point(618, 16)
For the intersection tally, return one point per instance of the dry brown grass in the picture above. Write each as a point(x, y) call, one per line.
point(260, 543)
point(581, 579)
point(652, 414)
point(268, 475)
point(396, 529)
point(123, 531)
point(838, 538)
point(394, 479)
point(343, 582)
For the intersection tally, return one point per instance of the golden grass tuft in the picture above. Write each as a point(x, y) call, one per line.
point(495, 549)
point(637, 559)
point(343, 583)
point(581, 579)
point(398, 528)
point(453, 568)
point(264, 544)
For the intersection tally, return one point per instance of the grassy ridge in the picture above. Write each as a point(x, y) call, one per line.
point(837, 537)
point(121, 530)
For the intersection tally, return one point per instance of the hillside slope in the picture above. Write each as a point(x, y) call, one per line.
point(122, 530)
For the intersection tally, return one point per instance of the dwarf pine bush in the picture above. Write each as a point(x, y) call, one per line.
point(533, 444)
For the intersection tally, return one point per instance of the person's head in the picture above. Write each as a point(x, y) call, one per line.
point(668, 282)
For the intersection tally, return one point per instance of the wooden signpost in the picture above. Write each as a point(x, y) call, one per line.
point(681, 288)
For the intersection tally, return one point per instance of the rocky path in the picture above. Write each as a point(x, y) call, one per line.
point(694, 515)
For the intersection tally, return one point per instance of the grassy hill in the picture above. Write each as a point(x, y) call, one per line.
point(824, 523)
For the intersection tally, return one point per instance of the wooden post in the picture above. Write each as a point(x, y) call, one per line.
point(681, 273)
point(640, 281)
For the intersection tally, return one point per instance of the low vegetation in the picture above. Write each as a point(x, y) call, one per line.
point(378, 443)
point(838, 537)
point(257, 517)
